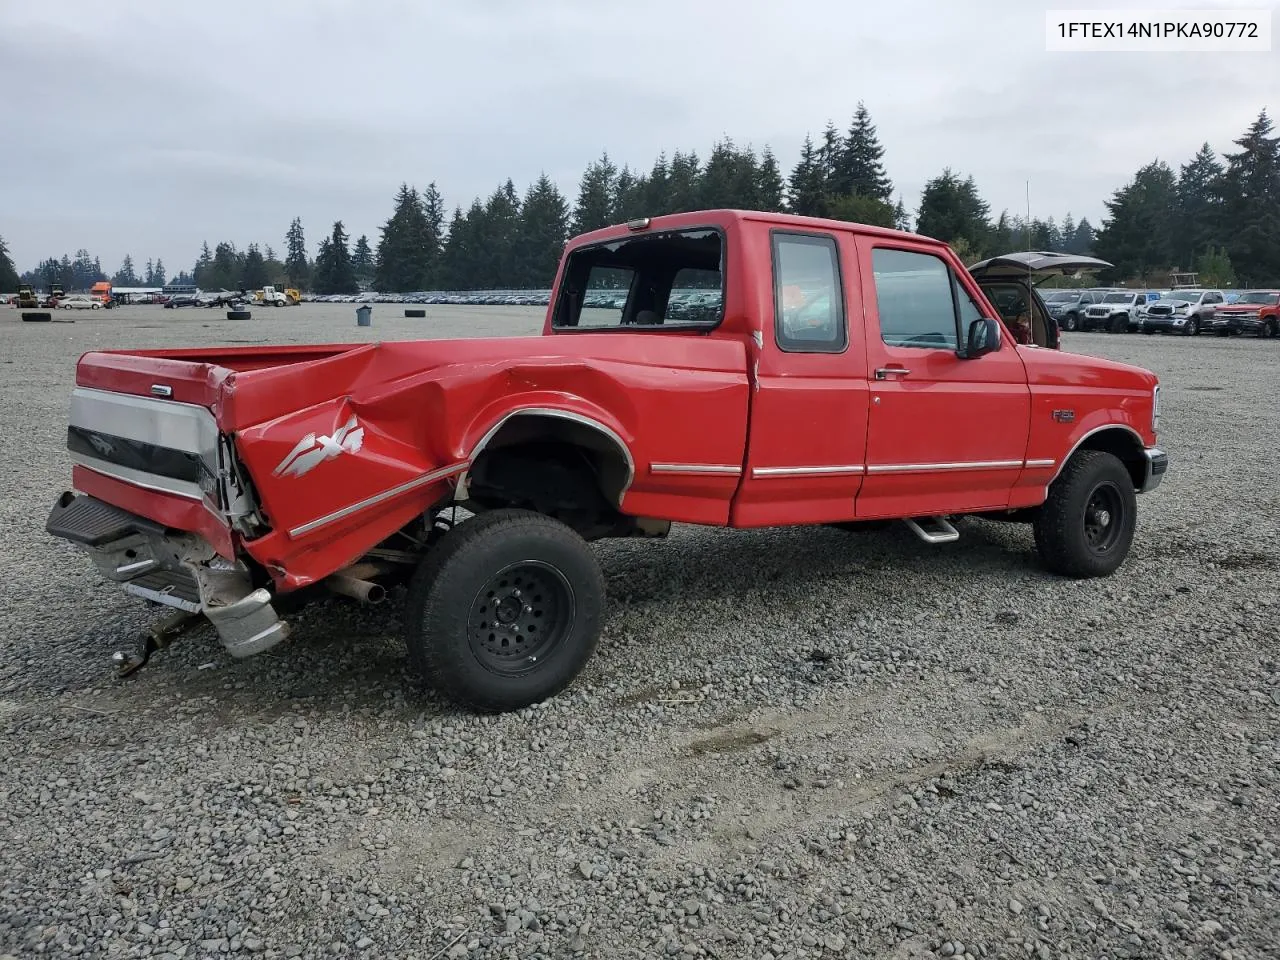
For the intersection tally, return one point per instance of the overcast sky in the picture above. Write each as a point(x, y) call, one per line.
point(147, 126)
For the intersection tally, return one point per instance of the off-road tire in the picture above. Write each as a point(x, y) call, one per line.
point(468, 561)
point(1060, 527)
point(239, 315)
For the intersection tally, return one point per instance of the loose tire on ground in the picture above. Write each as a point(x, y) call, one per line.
point(505, 611)
point(37, 317)
point(239, 315)
point(1086, 526)
point(415, 313)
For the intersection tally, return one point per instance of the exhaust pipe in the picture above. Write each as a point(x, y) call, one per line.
point(366, 591)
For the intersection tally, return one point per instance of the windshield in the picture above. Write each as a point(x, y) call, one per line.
point(1117, 298)
point(1186, 296)
point(1061, 296)
point(1260, 296)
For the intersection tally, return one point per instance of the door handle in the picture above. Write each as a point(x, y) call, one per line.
point(882, 373)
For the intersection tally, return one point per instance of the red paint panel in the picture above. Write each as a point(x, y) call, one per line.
point(808, 409)
point(944, 411)
point(179, 513)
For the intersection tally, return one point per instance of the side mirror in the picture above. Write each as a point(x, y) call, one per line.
point(983, 338)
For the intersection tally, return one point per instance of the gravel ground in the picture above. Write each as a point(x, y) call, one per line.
point(791, 743)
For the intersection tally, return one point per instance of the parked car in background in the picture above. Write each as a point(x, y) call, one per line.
point(1067, 307)
point(182, 300)
point(1119, 311)
point(1254, 312)
point(1182, 311)
point(78, 301)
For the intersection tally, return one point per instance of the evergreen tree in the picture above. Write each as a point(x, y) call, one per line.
point(544, 227)
point(807, 185)
point(501, 223)
point(1251, 186)
point(1083, 239)
point(951, 210)
point(157, 278)
point(901, 218)
point(333, 269)
point(770, 190)
point(433, 211)
point(1068, 232)
point(628, 200)
point(362, 261)
point(1198, 221)
point(67, 273)
point(682, 183)
point(657, 189)
point(1137, 235)
point(255, 275)
point(858, 167)
point(8, 274)
point(595, 196)
point(125, 276)
point(204, 264)
point(409, 251)
point(296, 268)
point(829, 156)
point(456, 265)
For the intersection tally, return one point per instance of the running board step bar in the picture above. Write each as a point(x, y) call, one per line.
point(933, 529)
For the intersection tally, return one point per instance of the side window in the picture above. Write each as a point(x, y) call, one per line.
point(914, 298)
point(1213, 298)
point(808, 299)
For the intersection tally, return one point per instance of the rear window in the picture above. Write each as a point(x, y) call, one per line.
point(663, 280)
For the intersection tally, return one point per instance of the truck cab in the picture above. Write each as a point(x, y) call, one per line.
point(725, 368)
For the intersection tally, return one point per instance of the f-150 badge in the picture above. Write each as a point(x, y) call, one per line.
point(313, 450)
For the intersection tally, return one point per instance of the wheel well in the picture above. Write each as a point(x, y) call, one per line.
point(1122, 444)
point(565, 468)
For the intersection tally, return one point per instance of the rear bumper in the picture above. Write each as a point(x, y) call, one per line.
point(171, 568)
point(1157, 465)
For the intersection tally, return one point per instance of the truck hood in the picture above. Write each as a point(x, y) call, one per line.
point(1060, 368)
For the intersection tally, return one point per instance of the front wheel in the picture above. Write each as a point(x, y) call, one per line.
point(1193, 327)
point(1270, 329)
point(505, 611)
point(1069, 322)
point(1086, 526)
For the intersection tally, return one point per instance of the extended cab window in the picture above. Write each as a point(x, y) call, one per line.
point(916, 299)
point(662, 280)
point(808, 299)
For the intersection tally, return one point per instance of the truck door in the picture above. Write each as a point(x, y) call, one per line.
point(808, 423)
point(944, 434)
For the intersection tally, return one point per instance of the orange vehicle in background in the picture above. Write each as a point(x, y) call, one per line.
point(101, 291)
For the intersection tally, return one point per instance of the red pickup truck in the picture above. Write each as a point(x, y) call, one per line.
point(723, 367)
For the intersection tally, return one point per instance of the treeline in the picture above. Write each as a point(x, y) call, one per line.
point(1219, 219)
point(1222, 218)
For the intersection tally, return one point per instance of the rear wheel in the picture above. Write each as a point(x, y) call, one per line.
point(505, 611)
point(1086, 526)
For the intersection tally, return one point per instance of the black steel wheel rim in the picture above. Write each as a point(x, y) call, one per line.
point(520, 617)
point(1103, 518)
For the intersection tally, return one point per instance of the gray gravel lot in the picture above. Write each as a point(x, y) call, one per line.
point(791, 743)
